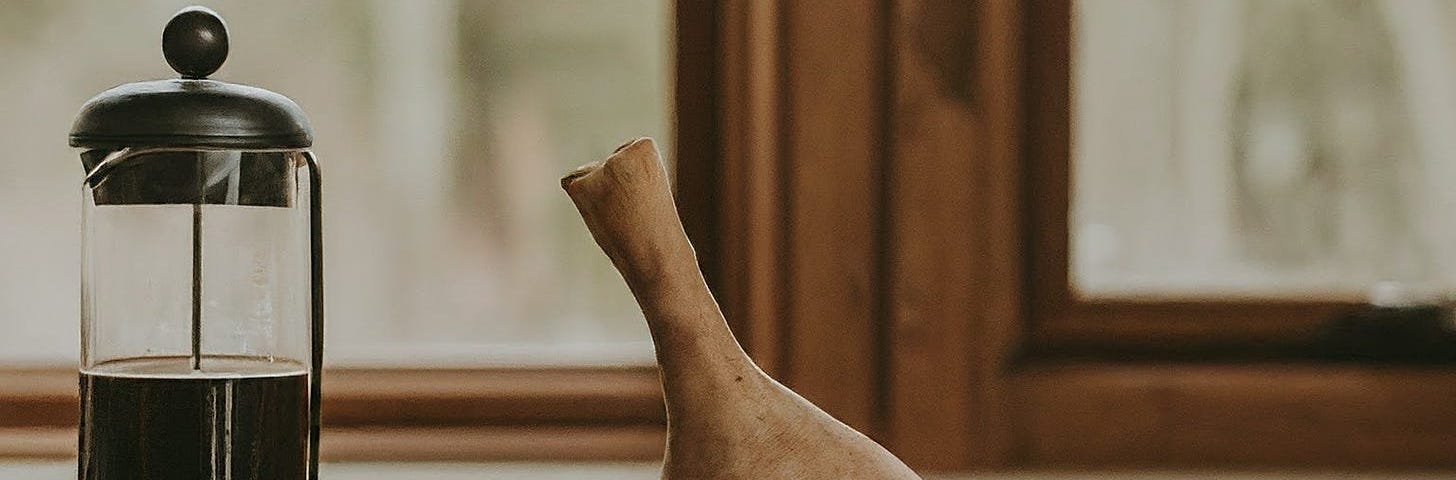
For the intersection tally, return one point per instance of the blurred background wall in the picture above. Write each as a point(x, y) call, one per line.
point(442, 126)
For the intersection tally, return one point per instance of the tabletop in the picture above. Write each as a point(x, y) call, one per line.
point(648, 471)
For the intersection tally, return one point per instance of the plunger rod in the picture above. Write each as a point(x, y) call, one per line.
point(197, 268)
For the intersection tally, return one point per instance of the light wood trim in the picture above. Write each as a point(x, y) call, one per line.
point(48, 443)
point(463, 415)
point(415, 444)
point(606, 396)
point(1249, 416)
point(38, 397)
point(479, 444)
point(625, 396)
point(609, 408)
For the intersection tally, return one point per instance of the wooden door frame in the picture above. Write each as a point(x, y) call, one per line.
point(845, 273)
point(940, 332)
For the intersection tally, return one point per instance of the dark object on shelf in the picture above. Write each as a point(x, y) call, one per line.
point(1414, 334)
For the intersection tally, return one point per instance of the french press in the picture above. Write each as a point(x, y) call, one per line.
point(201, 285)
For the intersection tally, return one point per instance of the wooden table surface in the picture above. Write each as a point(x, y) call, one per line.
point(648, 471)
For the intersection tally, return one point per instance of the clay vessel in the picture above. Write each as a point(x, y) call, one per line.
point(726, 419)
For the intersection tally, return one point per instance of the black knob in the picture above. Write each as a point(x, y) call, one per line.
point(195, 42)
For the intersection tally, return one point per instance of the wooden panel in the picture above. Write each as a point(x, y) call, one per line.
point(835, 109)
point(696, 145)
point(1000, 225)
point(931, 284)
point(1249, 416)
point(1048, 154)
point(753, 230)
point(957, 226)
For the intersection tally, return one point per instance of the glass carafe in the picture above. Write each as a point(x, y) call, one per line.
point(201, 298)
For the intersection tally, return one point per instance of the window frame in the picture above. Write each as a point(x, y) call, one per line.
point(1128, 383)
point(1064, 321)
point(950, 334)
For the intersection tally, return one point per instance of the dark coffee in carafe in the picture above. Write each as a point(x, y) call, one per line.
point(159, 419)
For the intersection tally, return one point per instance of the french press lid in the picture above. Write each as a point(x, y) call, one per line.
point(191, 111)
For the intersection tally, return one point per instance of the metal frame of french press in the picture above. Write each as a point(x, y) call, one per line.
point(195, 114)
